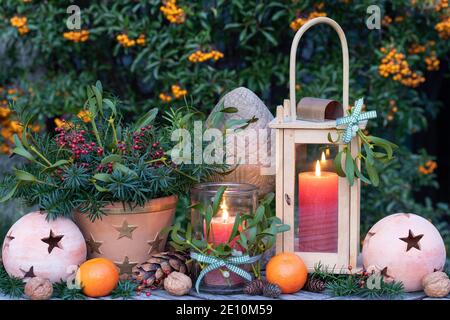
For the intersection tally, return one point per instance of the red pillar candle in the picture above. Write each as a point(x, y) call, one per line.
point(221, 226)
point(318, 211)
point(220, 230)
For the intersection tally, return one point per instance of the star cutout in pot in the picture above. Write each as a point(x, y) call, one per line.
point(126, 230)
point(53, 241)
point(155, 244)
point(412, 240)
point(29, 273)
point(8, 239)
point(93, 246)
point(126, 266)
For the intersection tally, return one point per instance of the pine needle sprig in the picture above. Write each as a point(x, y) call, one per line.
point(125, 289)
point(387, 290)
point(341, 283)
point(10, 286)
point(61, 291)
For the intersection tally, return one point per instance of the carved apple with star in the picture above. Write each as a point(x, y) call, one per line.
point(35, 247)
point(404, 247)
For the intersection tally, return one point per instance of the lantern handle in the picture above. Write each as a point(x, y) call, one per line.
point(345, 64)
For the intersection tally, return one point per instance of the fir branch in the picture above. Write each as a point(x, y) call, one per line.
point(340, 283)
point(61, 291)
point(125, 289)
point(10, 286)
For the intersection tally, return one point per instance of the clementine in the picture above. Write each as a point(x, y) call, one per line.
point(98, 277)
point(287, 271)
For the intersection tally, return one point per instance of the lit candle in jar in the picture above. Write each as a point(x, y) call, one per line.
point(221, 226)
point(318, 211)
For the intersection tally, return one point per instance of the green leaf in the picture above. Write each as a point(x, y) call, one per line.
point(235, 229)
point(338, 165)
point(369, 154)
point(229, 110)
point(109, 104)
point(99, 188)
point(102, 177)
point(243, 241)
point(349, 167)
point(98, 97)
point(372, 173)
point(259, 214)
point(111, 158)
point(385, 144)
point(360, 175)
point(269, 37)
point(57, 164)
point(10, 194)
point(330, 138)
point(283, 228)
point(189, 232)
point(146, 119)
point(208, 218)
point(99, 87)
point(25, 176)
point(17, 141)
point(24, 153)
point(218, 199)
point(120, 167)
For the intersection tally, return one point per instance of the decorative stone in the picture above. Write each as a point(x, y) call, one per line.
point(404, 247)
point(248, 105)
point(35, 247)
point(177, 284)
point(39, 289)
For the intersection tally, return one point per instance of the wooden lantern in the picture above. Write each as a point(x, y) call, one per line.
point(322, 209)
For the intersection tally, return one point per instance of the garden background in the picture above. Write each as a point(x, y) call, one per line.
point(153, 53)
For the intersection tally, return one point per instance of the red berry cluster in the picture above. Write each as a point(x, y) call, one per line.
point(138, 138)
point(108, 167)
point(122, 146)
point(76, 142)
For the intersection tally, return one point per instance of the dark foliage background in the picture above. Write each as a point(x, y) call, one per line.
point(45, 68)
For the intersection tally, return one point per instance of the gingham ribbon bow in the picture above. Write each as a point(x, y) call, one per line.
point(353, 120)
point(230, 263)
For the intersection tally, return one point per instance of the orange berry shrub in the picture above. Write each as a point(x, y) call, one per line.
point(168, 52)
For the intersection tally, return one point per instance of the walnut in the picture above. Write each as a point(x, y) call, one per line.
point(436, 284)
point(177, 284)
point(39, 289)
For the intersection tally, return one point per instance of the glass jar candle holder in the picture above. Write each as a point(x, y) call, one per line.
point(238, 198)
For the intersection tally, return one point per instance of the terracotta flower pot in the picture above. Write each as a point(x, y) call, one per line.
point(127, 237)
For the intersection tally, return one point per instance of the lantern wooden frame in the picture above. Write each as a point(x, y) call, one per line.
point(291, 131)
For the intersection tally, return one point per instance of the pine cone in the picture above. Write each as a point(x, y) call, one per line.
point(151, 274)
point(271, 290)
point(254, 288)
point(314, 285)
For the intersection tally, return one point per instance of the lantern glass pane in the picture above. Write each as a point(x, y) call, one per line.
point(316, 203)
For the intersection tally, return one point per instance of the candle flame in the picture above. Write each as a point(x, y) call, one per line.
point(318, 168)
point(224, 208)
point(323, 158)
point(327, 152)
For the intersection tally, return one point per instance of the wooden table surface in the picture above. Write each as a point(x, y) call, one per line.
point(302, 295)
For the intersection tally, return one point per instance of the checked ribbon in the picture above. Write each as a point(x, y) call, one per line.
point(230, 263)
point(353, 120)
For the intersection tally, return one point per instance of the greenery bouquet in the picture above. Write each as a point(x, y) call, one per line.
point(94, 160)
